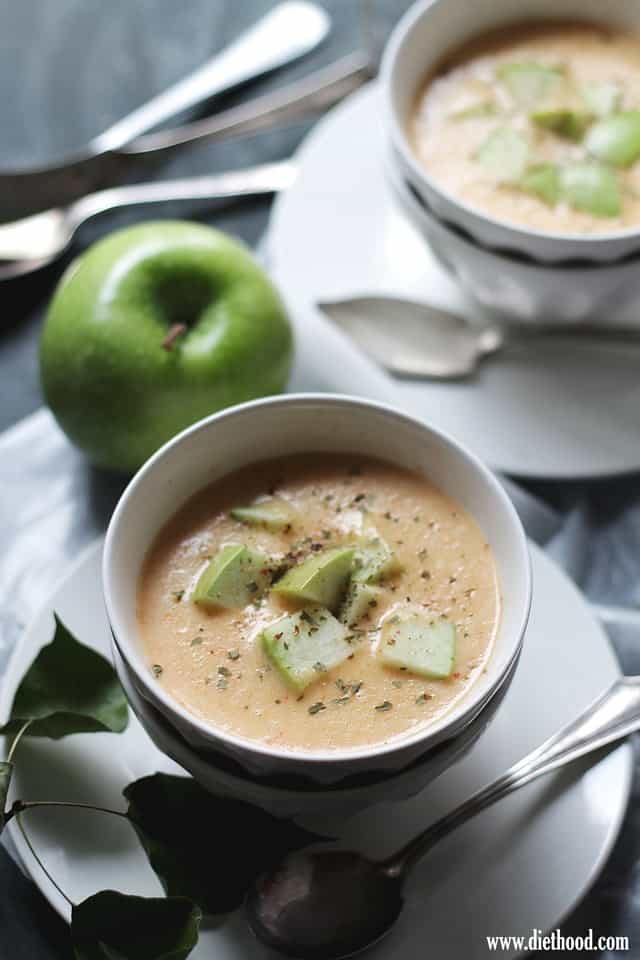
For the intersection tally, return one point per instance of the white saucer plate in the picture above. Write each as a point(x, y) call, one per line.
point(560, 409)
point(519, 866)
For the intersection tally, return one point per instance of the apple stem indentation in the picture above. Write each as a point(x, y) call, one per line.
point(175, 330)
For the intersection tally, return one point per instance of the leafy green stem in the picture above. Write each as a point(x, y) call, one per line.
point(16, 740)
point(21, 805)
point(39, 861)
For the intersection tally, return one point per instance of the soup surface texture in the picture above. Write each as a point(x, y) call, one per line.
point(538, 125)
point(212, 659)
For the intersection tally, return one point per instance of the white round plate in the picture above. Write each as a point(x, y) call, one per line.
point(549, 409)
point(518, 866)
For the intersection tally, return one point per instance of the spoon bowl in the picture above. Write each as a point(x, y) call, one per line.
point(324, 905)
point(417, 340)
point(333, 905)
point(413, 339)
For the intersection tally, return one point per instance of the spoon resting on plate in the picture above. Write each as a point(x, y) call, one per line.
point(411, 339)
point(328, 905)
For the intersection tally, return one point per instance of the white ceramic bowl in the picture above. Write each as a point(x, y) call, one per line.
point(286, 796)
point(515, 289)
point(287, 425)
point(428, 31)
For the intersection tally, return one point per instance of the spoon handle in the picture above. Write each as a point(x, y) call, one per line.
point(264, 179)
point(287, 32)
point(289, 104)
point(614, 715)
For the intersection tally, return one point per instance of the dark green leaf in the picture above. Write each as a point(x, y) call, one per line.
point(113, 926)
point(68, 688)
point(6, 770)
point(204, 847)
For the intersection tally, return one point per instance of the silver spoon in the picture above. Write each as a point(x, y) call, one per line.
point(30, 238)
point(47, 235)
point(287, 32)
point(331, 905)
point(413, 339)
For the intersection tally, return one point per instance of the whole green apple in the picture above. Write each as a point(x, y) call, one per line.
point(153, 328)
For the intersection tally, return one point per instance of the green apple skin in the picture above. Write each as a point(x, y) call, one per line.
point(114, 389)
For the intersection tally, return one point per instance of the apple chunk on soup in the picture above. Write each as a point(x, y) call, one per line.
point(319, 602)
point(538, 124)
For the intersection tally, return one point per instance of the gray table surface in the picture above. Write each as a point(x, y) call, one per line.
point(67, 69)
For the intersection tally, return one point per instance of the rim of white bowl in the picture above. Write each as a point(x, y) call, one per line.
point(314, 788)
point(400, 140)
point(407, 195)
point(452, 717)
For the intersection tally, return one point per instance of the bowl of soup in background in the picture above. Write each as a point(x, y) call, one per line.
point(430, 39)
point(517, 290)
point(353, 431)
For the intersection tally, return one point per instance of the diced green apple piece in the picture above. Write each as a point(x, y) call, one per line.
point(233, 578)
point(504, 154)
point(591, 187)
point(322, 578)
point(273, 514)
point(360, 600)
point(528, 83)
point(475, 111)
point(543, 181)
point(571, 124)
point(616, 139)
point(374, 559)
point(602, 98)
point(422, 646)
point(304, 645)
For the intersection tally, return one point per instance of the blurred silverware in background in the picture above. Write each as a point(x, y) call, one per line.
point(33, 241)
point(36, 241)
point(313, 94)
point(287, 32)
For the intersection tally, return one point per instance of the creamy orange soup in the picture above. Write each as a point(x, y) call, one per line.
point(539, 125)
point(212, 661)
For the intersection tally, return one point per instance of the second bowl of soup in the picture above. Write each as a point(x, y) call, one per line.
point(318, 585)
point(524, 130)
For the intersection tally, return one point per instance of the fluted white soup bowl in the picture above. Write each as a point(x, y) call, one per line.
point(432, 29)
point(517, 290)
point(283, 426)
point(294, 796)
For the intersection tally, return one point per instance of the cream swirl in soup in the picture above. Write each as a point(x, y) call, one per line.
point(538, 125)
point(319, 602)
